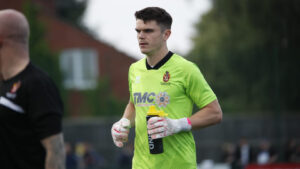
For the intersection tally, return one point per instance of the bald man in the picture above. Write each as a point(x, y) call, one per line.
point(30, 105)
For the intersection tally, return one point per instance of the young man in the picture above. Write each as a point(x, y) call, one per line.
point(173, 85)
point(30, 105)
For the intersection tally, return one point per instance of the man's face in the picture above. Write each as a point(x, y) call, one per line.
point(150, 37)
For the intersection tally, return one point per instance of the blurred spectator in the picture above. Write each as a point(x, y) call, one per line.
point(243, 154)
point(290, 150)
point(266, 153)
point(92, 159)
point(71, 158)
point(125, 157)
point(295, 157)
point(228, 150)
point(79, 151)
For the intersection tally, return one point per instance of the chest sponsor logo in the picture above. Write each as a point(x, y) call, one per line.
point(12, 94)
point(161, 99)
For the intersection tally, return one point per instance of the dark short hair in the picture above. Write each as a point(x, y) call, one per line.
point(161, 16)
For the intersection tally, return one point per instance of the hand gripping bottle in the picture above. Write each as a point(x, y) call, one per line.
point(155, 145)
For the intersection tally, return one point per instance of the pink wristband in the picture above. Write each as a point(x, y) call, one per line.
point(189, 121)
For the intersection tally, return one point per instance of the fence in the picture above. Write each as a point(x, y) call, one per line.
point(277, 130)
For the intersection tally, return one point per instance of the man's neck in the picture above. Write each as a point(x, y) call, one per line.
point(13, 61)
point(10, 70)
point(155, 58)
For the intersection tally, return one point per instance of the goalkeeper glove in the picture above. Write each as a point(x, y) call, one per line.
point(120, 131)
point(159, 127)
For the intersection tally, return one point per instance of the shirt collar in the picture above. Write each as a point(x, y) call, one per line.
point(161, 62)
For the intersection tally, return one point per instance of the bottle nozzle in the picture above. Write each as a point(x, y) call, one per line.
point(153, 112)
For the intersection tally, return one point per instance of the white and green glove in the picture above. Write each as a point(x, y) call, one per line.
point(120, 131)
point(159, 127)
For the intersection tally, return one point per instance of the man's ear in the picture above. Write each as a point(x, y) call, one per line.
point(167, 34)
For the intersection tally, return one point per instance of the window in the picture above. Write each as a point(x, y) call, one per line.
point(80, 68)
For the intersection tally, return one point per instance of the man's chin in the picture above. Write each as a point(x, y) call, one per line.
point(144, 52)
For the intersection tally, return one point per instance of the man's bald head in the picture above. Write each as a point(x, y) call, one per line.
point(14, 26)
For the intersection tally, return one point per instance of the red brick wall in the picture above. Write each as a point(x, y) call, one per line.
point(112, 64)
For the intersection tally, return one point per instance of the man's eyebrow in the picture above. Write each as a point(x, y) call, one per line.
point(148, 30)
point(145, 30)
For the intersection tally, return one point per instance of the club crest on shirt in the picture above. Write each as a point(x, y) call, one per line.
point(12, 93)
point(166, 77)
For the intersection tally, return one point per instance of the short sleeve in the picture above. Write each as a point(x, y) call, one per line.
point(45, 107)
point(197, 88)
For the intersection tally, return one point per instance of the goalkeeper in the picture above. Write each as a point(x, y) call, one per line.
point(172, 84)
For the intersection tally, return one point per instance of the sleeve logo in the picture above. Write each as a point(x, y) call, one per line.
point(137, 79)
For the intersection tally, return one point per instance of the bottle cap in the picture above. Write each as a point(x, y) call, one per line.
point(153, 112)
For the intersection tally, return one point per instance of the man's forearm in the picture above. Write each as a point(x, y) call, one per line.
point(207, 116)
point(129, 113)
point(55, 152)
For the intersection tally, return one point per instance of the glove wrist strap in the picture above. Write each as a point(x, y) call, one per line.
point(125, 122)
point(185, 124)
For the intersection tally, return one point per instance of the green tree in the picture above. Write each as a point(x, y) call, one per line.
point(71, 11)
point(40, 53)
point(249, 52)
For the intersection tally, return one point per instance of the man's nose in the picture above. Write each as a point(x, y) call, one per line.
point(141, 35)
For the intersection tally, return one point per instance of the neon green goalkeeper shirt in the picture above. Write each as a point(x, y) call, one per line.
point(174, 87)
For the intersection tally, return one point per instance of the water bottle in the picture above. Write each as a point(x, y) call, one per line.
point(155, 145)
